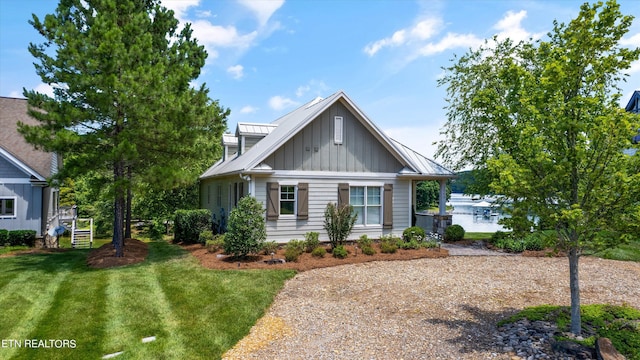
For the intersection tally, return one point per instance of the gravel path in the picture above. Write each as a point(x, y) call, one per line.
point(422, 309)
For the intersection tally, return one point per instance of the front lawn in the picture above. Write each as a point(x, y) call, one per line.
point(194, 313)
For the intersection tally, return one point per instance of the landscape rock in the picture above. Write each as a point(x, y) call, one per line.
point(606, 351)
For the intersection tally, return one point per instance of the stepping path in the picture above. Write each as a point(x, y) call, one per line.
point(457, 250)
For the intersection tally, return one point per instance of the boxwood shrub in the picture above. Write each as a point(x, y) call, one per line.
point(454, 233)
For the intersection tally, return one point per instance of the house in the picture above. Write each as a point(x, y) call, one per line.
point(27, 202)
point(633, 106)
point(325, 151)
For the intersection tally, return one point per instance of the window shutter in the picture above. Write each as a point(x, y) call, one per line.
point(303, 201)
point(387, 212)
point(343, 194)
point(273, 201)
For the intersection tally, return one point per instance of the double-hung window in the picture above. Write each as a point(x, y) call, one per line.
point(367, 203)
point(8, 207)
point(287, 200)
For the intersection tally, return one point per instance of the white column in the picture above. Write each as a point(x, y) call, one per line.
point(442, 202)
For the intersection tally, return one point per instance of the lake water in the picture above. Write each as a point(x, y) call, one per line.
point(475, 218)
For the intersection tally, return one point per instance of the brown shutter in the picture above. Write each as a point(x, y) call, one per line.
point(387, 212)
point(343, 194)
point(303, 201)
point(273, 201)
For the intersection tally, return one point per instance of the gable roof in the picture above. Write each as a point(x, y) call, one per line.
point(289, 125)
point(634, 103)
point(38, 164)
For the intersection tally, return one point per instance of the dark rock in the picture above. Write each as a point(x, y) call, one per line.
point(575, 349)
point(606, 351)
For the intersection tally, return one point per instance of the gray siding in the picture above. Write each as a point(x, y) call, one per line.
point(323, 191)
point(313, 147)
point(28, 207)
point(218, 195)
point(9, 171)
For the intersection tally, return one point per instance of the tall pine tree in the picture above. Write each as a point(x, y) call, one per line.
point(121, 72)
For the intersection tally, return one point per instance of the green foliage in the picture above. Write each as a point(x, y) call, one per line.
point(189, 224)
point(368, 250)
point(293, 249)
point(291, 254)
point(18, 238)
point(338, 222)
point(319, 252)
point(389, 244)
point(4, 237)
point(215, 244)
point(454, 233)
point(205, 236)
point(269, 247)
point(246, 229)
point(156, 230)
point(409, 245)
point(364, 241)
point(428, 194)
point(311, 240)
point(340, 252)
point(413, 233)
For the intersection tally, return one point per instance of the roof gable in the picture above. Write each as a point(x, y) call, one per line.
point(37, 163)
point(634, 103)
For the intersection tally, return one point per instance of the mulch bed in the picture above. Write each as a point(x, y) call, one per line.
point(135, 251)
point(306, 261)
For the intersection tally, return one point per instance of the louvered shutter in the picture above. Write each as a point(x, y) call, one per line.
point(303, 201)
point(387, 212)
point(343, 194)
point(273, 202)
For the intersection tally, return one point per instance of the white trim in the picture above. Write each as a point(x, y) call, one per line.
point(15, 207)
point(282, 216)
point(365, 206)
point(295, 174)
point(22, 166)
point(14, 181)
point(338, 130)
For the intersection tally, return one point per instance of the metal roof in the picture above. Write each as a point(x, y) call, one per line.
point(254, 129)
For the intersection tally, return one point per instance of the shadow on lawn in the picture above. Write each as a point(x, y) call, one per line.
point(75, 260)
point(477, 331)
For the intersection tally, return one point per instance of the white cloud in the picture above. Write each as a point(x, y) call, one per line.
point(248, 109)
point(418, 138)
point(632, 41)
point(237, 71)
point(451, 41)
point(262, 9)
point(180, 7)
point(421, 31)
point(635, 68)
point(44, 89)
point(280, 103)
point(510, 26)
point(16, 94)
point(316, 87)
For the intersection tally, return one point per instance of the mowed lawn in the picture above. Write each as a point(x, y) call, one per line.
point(193, 312)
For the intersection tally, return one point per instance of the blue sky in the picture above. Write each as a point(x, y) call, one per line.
point(266, 57)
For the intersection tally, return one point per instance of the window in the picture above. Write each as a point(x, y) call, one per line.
point(8, 207)
point(287, 199)
point(337, 130)
point(367, 203)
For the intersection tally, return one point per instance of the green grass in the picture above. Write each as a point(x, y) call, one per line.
point(626, 252)
point(195, 313)
point(618, 323)
point(477, 235)
point(8, 249)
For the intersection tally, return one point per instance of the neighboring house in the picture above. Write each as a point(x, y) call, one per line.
point(27, 202)
point(633, 106)
point(325, 151)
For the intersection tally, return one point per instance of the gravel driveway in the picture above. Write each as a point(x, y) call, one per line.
point(422, 309)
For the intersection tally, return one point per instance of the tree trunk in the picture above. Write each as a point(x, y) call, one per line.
point(127, 225)
point(574, 285)
point(118, 218)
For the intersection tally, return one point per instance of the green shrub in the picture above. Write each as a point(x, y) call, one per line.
point(409, 245)
point(338, 222)
point(269, 247)
point(21, 237)
point(368, 250)
point(364, 241)
point(205, 235)
point(216, 244)
point(246, 230)
point(534, 242)
point(413, 233)
point(340, 252)
point(189, 224)
point(454, 233)
point(4, 237)
point(311, 240)
point(499, 236)
point(319, 252)
point(388, 247)
point(156, 230)
point(291, 254)
point(430, 244)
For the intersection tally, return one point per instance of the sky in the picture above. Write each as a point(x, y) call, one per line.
point(267, 57)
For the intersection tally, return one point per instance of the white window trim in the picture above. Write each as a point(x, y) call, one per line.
point(295, 200)
point(338, 130)
point(15, 207)
point(369, 185)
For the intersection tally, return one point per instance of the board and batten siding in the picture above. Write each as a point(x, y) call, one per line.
point(323, 191)
point(28, 207)
point(313, 147)
point(9, 171)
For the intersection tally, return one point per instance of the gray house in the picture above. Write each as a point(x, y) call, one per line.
point(27, 202)
point(325, 151)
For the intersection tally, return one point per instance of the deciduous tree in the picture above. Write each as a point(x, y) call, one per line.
point(122, 73)
point(544, 119)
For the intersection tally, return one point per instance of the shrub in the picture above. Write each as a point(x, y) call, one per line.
point(21, 237)
point(291, 254)
point(364, 241)
point(205, 236)
point(297, 245)
point(269, 247)
point(368, 250)
point(499, 236)
point(189, 224)
point(534, 242)
point(413, 233)
point(4, 237)
point(156, 230)
point(430, 244)
point(454, 233)
point(215, 244)
point(246, 230)
point(409, 245)
point(388, 248)
point(340, 252)
point(318, 252)
point(338, 222)
point(311, 240)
